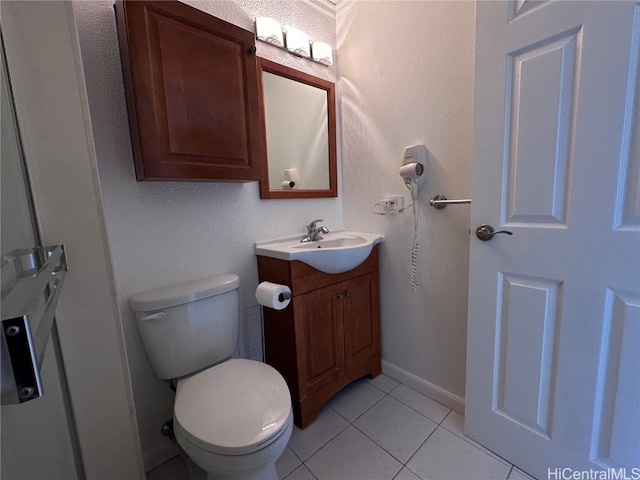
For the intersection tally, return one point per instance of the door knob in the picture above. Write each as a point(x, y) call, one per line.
point(486, 232)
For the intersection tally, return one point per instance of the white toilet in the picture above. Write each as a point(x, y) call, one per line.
point(232, 417)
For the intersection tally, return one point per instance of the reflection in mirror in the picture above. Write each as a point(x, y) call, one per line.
point(295, 116)
point(299, 134)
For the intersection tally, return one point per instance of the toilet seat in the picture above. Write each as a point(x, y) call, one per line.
point(234, 408)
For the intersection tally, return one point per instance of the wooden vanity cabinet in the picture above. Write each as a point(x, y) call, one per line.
point(328, 336)
point(192, 93)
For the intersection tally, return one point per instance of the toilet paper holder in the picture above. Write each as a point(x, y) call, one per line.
point(273, 295)
point(284, 296)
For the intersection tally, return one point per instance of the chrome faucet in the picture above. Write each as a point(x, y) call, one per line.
point(313, 231)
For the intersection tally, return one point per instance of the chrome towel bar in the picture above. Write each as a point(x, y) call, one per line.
point(440, 201)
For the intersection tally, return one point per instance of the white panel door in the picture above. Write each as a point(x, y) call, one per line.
point(553, 360)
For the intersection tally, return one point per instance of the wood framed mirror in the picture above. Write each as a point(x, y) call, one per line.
point(298, 129)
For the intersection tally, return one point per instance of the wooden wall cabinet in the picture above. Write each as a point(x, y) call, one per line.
point(192, 93)
point(328, 336)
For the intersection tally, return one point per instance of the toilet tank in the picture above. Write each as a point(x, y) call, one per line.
point(189, 326)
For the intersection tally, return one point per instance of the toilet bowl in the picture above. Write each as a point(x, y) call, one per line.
point(232, 417)
point(235, 419)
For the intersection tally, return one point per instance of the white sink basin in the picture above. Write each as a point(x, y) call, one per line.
point(337, 252)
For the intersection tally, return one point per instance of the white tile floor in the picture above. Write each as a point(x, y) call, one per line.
point(380, 429)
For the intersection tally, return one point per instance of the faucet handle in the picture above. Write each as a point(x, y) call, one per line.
point(312, 225)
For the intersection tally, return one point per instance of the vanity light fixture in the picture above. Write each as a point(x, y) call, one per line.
point(269, 30)
point(322, 52)
point(293, 40)
point(297, 42)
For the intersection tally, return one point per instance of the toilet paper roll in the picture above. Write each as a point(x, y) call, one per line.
point(288, 185)
point(292, 175)
point(273, 295)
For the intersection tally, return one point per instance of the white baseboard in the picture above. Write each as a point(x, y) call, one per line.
point(439, 394)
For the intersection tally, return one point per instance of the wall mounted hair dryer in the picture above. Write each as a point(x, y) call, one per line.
point(413, 173)
point(413, 169)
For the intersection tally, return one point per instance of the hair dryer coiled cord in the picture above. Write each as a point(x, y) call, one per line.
point(413, 281)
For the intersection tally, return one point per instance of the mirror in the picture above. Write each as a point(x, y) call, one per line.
point(298, 121)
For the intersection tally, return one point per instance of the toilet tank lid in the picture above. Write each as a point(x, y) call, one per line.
point(170, 296)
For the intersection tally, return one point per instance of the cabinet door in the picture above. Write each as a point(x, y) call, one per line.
point(361, 318)
point(319, 339)
point(192, 93)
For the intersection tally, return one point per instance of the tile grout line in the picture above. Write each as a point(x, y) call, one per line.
point(421, 445)
point(352, 424)
point(404, 464)
point(475, 444)
point(349, 423)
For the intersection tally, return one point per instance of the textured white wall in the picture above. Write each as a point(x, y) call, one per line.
point(162, 233)
point(406, 77)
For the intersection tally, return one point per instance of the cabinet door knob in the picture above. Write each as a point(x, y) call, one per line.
point(253, 49)
point(344, 294)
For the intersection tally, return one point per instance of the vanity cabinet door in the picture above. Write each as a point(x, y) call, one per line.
point(319, 336)
point(337, 333)
point(361, 320)
point(192, 93)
